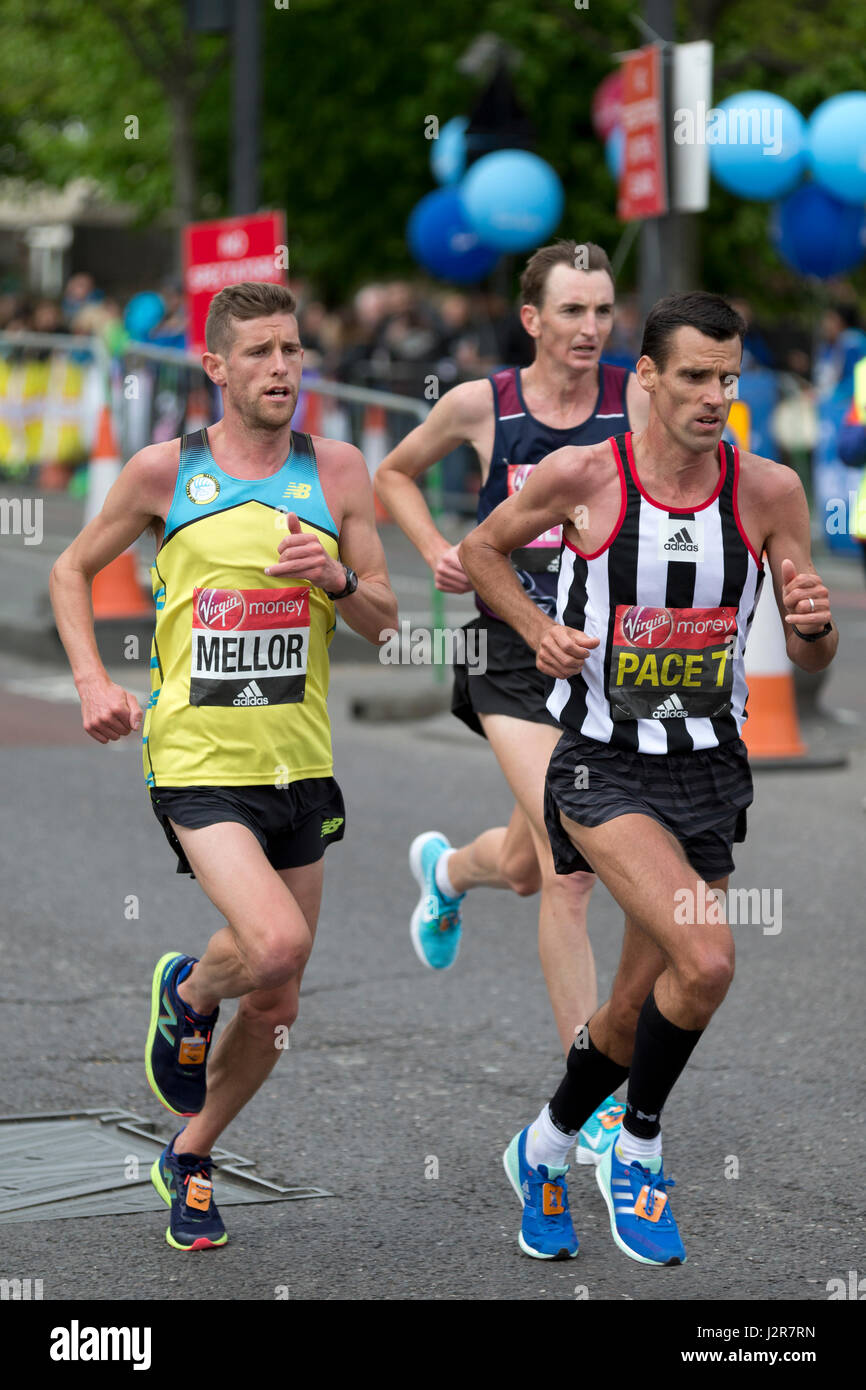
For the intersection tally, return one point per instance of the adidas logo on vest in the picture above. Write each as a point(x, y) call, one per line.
point(251, 695)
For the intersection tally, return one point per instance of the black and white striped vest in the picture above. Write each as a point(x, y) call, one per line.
point(671, 596)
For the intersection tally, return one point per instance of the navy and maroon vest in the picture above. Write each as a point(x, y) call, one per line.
point(520, 442)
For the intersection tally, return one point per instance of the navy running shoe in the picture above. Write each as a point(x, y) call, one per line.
point(546, 1232)
point(184, 1181)
point(178, 1041)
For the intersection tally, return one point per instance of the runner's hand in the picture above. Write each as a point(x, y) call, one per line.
point(797, 589)
point(108, 711)
point(449, 575)
point(304, 557)
point(563, 650)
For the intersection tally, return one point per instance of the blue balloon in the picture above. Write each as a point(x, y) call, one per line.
point(441, 239)
point(614, 149)
point(513, 199)
point(837, 146)
point(817, 234)
point(141, 315)
point(757, 144)
point(448, 153)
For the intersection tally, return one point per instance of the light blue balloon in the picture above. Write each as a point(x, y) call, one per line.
point(757, 145)
point(513, 199)
point(141, 315)
point(614, 149)
point(837, 146)
point(448, 153)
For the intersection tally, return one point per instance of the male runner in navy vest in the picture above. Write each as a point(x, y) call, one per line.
point(664, 531)
point(253, 523)
point(513, 419)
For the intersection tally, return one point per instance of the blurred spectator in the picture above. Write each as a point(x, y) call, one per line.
point(80, 291)
point(756, 350)
point(623, 346)
point(47, 317)
point(841, 345)
point(171, 330)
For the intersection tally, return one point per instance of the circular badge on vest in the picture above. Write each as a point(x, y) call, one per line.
point(202, 488)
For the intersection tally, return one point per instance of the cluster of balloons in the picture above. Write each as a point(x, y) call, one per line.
point(509, 200)
point(761, 147)
point(819, 226)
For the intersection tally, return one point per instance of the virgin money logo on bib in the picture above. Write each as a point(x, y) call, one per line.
point(646, 627)
point(249, 646)
point(219, 609)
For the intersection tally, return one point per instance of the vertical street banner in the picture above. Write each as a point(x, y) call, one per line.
point(642, 180)
point(226, 252)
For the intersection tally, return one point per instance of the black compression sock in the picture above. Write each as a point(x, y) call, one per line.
point(661, 1050)
point(590, 1078)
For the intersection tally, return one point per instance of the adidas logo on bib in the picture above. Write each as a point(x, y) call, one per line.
point(671, 708)
point(251, 695)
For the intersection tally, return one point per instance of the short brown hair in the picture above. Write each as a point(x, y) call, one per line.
point(253, 299)
point(580, 255)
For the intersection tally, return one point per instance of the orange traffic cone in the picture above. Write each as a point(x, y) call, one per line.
point(374, 447)
point(116, 590)
point(197, 415)
point(771, 732)
point(313, 413)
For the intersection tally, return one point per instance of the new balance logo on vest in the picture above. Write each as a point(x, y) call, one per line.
point(251, 695)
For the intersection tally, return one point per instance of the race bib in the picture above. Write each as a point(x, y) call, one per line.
point(672, 663)
point(543, 552)
point(249, 646)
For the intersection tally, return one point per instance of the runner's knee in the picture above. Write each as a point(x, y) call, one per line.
point(275, 958)
point(268, 1014)
point(705, 973)
point(573, 889)
point(521, 872)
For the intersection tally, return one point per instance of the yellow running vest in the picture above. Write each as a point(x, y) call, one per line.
point(239, 662)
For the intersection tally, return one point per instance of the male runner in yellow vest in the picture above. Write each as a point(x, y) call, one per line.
point(253, 523)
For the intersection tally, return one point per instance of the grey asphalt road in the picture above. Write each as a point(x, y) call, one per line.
point(392, 1066)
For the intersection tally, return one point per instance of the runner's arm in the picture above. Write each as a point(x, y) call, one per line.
point(372, 608)
point(108, 711)
point(795, 578)
point(545, 500)
point(453, 420)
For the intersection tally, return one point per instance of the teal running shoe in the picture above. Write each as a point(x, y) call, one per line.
point(436, 926)
point(600, 1131)
point(641, 1220)
point(546, 1232)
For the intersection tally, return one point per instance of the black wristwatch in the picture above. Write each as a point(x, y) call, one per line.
point(812, 636)
point(351, 585)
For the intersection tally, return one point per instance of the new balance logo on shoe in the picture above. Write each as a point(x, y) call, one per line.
point(671, 708)
point(251, 695)
point(165, 1018)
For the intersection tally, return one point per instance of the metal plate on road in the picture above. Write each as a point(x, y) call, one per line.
point(97, 1163)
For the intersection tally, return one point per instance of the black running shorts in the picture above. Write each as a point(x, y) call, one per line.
point(699, 797)
point(294, 825)
point(512, 683)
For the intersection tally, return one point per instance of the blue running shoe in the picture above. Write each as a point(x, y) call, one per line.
point(600, 1131)
point(436, 924)
point(178, 1041)
point(641, 1220)
point(184, 1182)
point(546, 1232)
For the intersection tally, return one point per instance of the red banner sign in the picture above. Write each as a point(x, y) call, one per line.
point(642, 182)
point(216, 254)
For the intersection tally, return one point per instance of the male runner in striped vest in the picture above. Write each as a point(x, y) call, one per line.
point(253, 523)
point(513, 419)
point(664, 533)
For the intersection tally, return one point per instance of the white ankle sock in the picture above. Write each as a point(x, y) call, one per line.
point(547, 1144)
point(629, 1147)
point(443, 882)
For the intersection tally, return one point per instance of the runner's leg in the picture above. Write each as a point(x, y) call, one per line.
point(504, 857)
point(523, 751)
point(271, 920)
